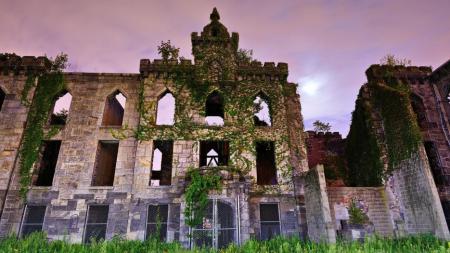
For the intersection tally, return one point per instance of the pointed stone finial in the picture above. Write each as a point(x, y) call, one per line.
point(214, 15)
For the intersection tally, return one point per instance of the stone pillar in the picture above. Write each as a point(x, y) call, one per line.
point(318, 217)
point(414, 189)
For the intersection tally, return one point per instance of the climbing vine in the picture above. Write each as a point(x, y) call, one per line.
point(49, 85)
point(196, 194)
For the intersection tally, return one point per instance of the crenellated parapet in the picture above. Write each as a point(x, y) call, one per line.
point(12, 63)
point(159, 66)
point(411, 74)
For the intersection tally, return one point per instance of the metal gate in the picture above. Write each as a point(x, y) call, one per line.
point(218, 228)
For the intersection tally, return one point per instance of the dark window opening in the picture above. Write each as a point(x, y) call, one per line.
point(419, 109)
point(435, 163)
point(165, 114)
point(214, 109)
point(261, 116)
point(161, 172)
point(61, 109)
point(2, 98)
point(97, 220)
point(270, 221)
point(446, 208)
point(266, 172)
point(47, 164)
point(114, 110)
point(105, 164)
point(214, 153)
point(157, 222)
point(33, 220)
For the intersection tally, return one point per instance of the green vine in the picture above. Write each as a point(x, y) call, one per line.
point(49, 85)
point(196, 194)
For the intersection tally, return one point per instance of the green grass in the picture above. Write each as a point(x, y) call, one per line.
point(37, 243)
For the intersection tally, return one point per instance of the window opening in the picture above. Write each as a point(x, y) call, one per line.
point(165, 114)
point(270, 221)
point(435, 163)
point(419, 109)
point(261, 116)
point(214, 153)
point(49, 158)
point(214, 111)
point(61, 109)
point(105, 164)
point(114, 110)
point(2, 98)
point(97, 220)
point(157, 217)
point(161, 171)
point(33, 220)
point(265, 163)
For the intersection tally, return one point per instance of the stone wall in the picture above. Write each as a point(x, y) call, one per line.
point(318, 216)
point(374, 201)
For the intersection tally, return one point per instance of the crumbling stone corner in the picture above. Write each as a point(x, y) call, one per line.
point(318, 216)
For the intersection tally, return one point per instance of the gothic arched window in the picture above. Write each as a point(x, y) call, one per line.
point(165, 114)
point(114, 109)
point(61, 109)
point(261, 115)
point(419, 109)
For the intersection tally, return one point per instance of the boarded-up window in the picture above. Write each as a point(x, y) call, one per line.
point(157, 217)
point(96, 222)
point(33, 220)
point(47, 164)
point(2, 98)
point(265, 163)
point(270, 221)
point(61, 109)
point(114, 110)
point(161, 172)
point(214, 153)
point(105, 163)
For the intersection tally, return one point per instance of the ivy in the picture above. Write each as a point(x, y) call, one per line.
point(49, 85)
point(196, 194)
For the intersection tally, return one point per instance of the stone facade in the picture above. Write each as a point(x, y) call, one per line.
point(71, 193)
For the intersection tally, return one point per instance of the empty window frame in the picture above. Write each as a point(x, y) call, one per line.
point(161, 171)
point(270, 220)
point(435, 163)
point(214, 109)
point(105, 163)
point(33, 220)
point(114, 109)
point(47, 164)
point(61, 109)
point(214, 153)
point(261, 116)
point(2, 98)
point(157, 217)
point(419, 109)
point(266, 172)
point(96, 223)
point(165, 114)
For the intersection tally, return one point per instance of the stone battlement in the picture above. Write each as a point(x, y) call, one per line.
point(12, 63)
point(408, 74)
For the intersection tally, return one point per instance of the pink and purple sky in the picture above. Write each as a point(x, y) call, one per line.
point(328, 44)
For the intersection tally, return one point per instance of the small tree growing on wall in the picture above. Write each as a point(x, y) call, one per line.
point(391, 60)
point(168, 51)
point(320, 126)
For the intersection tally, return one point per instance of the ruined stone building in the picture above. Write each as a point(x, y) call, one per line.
point(118, 162)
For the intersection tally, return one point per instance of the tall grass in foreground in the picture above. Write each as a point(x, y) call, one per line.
point(37, 243)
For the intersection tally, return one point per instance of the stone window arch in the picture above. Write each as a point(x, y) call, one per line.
point(114, 109)
point(214, 109)
point(61, 108)
point(261, 110)
point(165, 110)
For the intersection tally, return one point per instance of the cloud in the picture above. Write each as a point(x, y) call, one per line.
point(333, 39)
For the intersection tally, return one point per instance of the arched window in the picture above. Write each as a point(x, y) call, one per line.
point(2, 98)
point(165, 114)
point(214, 109)
point(261, 115)
point(114, 109)
point(419, 109)
point(61, 109)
